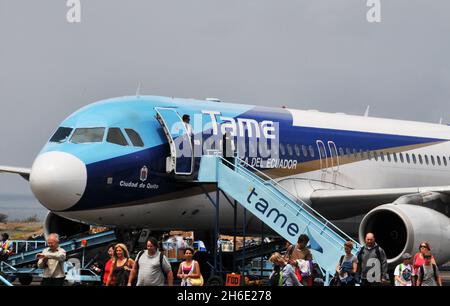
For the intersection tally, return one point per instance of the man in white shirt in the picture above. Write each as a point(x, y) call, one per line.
point(52, 261)
point(404, 272)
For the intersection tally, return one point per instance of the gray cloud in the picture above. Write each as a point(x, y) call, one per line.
point(319, 54)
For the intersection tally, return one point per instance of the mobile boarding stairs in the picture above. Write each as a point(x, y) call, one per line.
point(277, 208)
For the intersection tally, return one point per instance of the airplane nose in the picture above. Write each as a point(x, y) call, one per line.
point(58, 180)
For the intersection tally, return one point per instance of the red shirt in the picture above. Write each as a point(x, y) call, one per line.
point(107, 271)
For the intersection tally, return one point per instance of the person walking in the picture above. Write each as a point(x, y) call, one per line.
point(299, 252)
point(419, 260)
point(52, 261)
point(6, 247)
point(151, 267)
point(287, 271)
point(404, 272)
point(372, 263)
point(429, 273)
point(346, 267)
point(105, 269)
point(121, 266)
point(189, 270)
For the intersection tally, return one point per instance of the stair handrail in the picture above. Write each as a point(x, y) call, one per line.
point(240, 162)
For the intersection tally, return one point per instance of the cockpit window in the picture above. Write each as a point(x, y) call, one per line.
point(115, 136)
point(61, 134)
point(136, 140)
point(84, 135)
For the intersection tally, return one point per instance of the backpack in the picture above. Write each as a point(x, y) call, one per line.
point(276, 278)
point(377, 251)
point(422, 272)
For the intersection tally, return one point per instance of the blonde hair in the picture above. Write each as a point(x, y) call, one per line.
point(124, 248)
point(276, 258)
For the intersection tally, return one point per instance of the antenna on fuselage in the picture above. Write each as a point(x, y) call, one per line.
point(366, 113)
point(138, 90)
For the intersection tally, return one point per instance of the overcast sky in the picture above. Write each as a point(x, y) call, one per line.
point(306, 54)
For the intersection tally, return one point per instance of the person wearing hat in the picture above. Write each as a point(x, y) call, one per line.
point(404, 272)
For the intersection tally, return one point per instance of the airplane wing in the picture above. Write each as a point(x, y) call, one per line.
point(23, 172)
point(343, 203)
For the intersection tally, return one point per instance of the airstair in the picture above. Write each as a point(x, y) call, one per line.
point(277, 208)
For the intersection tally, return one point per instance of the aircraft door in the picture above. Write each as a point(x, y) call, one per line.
point(181, 159)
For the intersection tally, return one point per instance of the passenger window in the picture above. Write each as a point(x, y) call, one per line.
point(115, 136)
point(282, 149)
point(86, 135)
point(322, 152)
point(407, 158)
point(444, 160)
point(136, 140)
point(61, 134)
point(289, 149)
point(297, 150)
point(375, 154)
point(426, 160)
point(311, 150)
point(420, 159)
point(388, 155)
point(438, 160)
point(401, 157)
point(395, 157)
point(304, 151)
point(432, 160)
point(382, 156)
point(414, 158)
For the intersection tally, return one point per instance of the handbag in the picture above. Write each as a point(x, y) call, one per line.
point(196, 281)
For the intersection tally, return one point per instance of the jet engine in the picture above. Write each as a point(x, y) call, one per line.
point(399, 229)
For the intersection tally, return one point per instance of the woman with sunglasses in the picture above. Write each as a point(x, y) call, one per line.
point(419, 259)
point(429, 273)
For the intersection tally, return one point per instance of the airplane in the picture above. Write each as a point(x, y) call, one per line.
point(113, 163)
